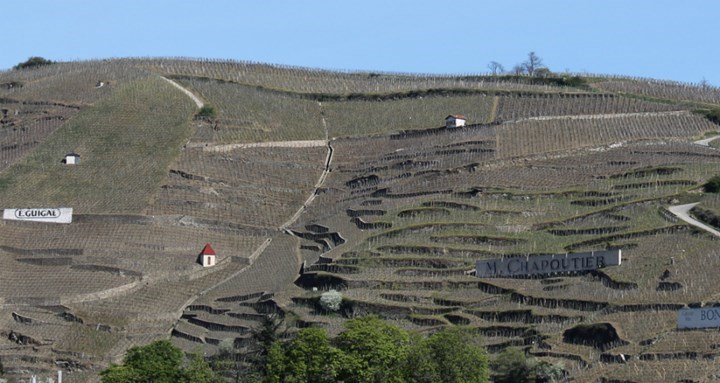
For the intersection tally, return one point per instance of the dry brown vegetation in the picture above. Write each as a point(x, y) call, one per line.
point(384, 204)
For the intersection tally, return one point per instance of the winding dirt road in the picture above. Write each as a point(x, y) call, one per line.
point(198, 102)
point(682, 212)
point(706, 141)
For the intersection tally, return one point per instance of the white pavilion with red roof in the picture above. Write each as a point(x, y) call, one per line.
point(207, 256)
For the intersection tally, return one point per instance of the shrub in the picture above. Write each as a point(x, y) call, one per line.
point(547, 78)
point(602, 336)
point(713, 185)
point(331, 300)
point(206, 113)
point(514, 366)
point(713, 115)
point(33, 62)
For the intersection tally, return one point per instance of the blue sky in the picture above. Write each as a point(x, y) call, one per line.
point(673, 40)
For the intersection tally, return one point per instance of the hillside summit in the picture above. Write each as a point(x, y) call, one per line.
point(306, 180)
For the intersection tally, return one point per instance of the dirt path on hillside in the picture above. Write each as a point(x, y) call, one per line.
point(198, 102)
point(706, 141)
point(600, 116)
point(493, 110)
point(682, 212)
point(321, 180)
point(220, 148)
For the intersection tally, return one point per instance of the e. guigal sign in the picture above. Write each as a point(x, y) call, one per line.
point(54, 215)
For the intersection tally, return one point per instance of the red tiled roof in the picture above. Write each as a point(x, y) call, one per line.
point(207, 250)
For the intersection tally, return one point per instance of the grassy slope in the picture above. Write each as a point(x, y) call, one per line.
point(130, 137)
point(359, 118)
point(248, 114)
point(126, 141)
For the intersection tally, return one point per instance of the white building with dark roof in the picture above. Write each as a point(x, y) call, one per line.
point(455, 121)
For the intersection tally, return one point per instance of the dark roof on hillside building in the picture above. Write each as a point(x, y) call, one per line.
point(456, 116)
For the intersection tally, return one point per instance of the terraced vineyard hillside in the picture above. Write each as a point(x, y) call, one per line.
point(308, 180)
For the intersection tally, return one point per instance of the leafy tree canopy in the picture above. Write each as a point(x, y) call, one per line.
point(159, 362)
point(453, 354)
point(33, 62)
point(370, 350)
point(308, 358)
point(513, 366)
point(375, 350)
point(198, 371)
point(713, 185)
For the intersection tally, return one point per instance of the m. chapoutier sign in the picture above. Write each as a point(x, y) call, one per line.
point(55, 215)
point(546, 264)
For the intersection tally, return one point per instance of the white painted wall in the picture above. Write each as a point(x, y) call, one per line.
point(454, 122)
point(208, 260)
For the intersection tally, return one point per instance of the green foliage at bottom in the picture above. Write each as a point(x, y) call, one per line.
point(159, 362)
point(451, 355)
point(373, 351)
point(513, 366)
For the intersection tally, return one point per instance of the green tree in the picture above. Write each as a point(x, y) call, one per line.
point(309, 357)
point(120, 374)
point(207, 112)
point(452, 355)
point(548, 373)
point(198, 371)
point(250, 363)
point(275, 368)
point(159, 362)
point(374, 350)
point(271, 329)
point(713, 185)
point(511, 366)
point(33, 62)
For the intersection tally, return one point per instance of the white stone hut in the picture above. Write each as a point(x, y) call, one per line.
point(72, 158)
point(455, 121)
point(207, 256)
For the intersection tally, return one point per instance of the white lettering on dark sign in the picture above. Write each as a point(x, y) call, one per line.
point(704, 317)
point(547, 264)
